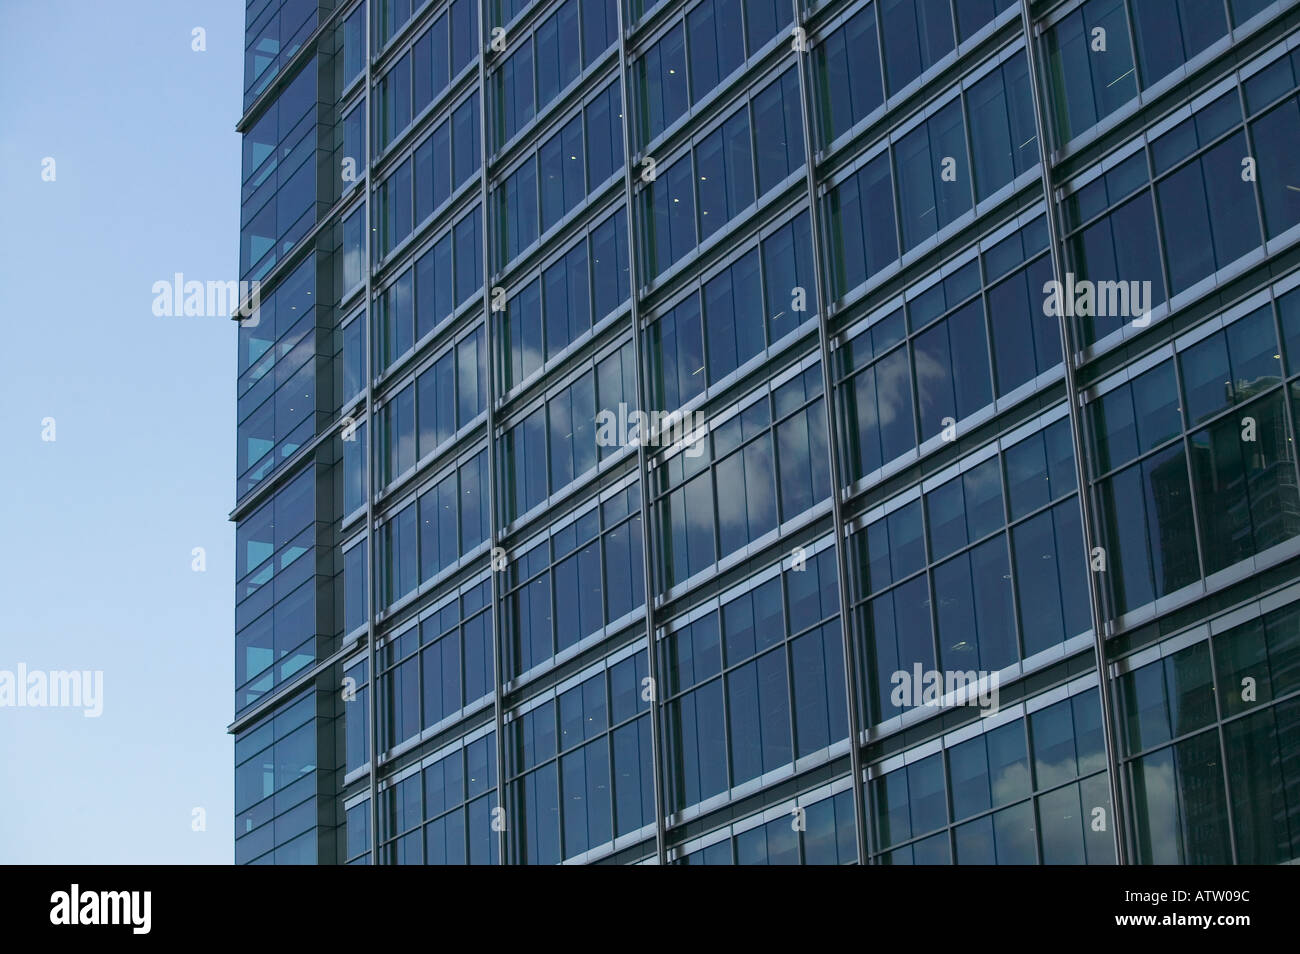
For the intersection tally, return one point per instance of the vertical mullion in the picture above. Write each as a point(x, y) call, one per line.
point(652, 650)
point(1099, 625)
point(372, 706)
point(832, 443)
point(1225, 775)
point(490, 426)
point(1248, 135)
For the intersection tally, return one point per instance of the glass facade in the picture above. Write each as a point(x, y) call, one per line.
point(765, 432)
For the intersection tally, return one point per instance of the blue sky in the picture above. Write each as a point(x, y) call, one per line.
point(99, 524)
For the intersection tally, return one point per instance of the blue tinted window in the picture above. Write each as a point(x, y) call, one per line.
point(469, 255)
point(604, 136)
point(917, 33)
point(848, 74)
point(1276, 135)
point(661, 85)
point(778, 130)
point(933, 175)
point(558, 59)
point(725, 172)
point(862, 228)
point(599, 28)
point(669, 207)
point(1091, 73)
point(716, 44)
point(1168, 33)
point(609, 259)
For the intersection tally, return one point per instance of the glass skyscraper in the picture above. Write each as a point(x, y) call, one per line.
point(931, 561)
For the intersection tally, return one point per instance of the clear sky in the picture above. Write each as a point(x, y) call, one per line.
point(98, 526)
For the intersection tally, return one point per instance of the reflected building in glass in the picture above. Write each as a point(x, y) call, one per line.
point(477, 622)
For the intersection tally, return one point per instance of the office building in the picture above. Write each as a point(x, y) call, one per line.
point(487, 612)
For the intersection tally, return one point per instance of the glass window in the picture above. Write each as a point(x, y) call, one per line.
point(669, 216)
point(464, 34)
point(433, 181)
point(778, 130)
point(1090, 66)
point(464, 123)
point(661, 85)
point(353, 30)
point(435, 394)
point(433, 287)
point(1207, 199)
point(952, 369)
point(1168, 33)
point(394, 102)
point(1147, 525)
point(566, 306)
point(763, 19)
point(1180, 804)
point(725, 173)
point(1024, 344)
point(469, 255)
point(933, 175)
point(917, 34)
point(848, 75)
point(1119, 248)
point(610, 264)
point(1276, 135)
point(394, 210)
point(558, 58)
point(1004, 136)
point(788, 277)
point(513, 92)
point(862, 243)
point(733, 316)
point(560, 162)
point(399, 572)
point(398, 319)
point(517, 218)
point(522, 338)
point(974, 14)
point(1243, 470)
point(677, 355)
point(716, 44)
point(599, 28)
point(399, 433)
point(604, 117)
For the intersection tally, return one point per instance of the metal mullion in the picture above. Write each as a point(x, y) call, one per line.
point(1184, 441)
point(877, 18)
point(962, 98)
point(1165, 275)
point(1248, 134)
point(601, 530)
point(860, 807)
point(373, 678)
point(490, 427)
point(1223, 747)
point(1008, 534)
point(652, 652)
point(1286, 385)
point(1139, 81)
point(1009, 523)
point(1099, 626)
